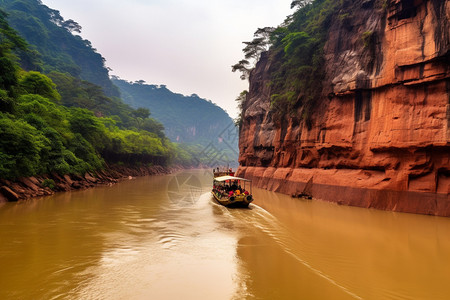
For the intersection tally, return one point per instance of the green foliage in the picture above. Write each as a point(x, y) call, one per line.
point(186, 119)
point(241, 100)
point(36, 83)
point(244, 67)
point(7, 103)
point(8, 35)
point(50, 183)
point(55, 38)
point(300, 3)
point(42, 108)
point(83, 94)
point(194, 123)
point(8, 73)
point(297, 55)
point(62, 124)
point(9, 40)
point(83, 122)
point(299, 45)
point(367, 38)
point(142, 113)
point(20, 147)
point(82, 155)
point(79, 93)
point(252, 51)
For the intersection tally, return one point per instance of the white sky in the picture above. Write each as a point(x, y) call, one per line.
point(188, 45)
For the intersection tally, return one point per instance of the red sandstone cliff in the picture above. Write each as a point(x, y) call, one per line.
point(381, 135)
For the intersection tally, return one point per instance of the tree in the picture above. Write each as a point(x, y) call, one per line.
point(84, 122)
point(242, 66)
point(264, 32)
point(8, 73)
point(300, 3)
point(241, 99)
point(36, 83)
point(9, 40)
point(7, 103)
point(48, 111)
point(141, 113)
point(252, 51)
point(8, 37)
point(20, 148)
point(259, 44)
point(71, 26)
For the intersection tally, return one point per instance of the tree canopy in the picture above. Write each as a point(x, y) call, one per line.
point(61, 113)
point(54, 44)
point(60, 123)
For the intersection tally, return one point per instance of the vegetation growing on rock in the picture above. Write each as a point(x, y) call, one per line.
point(297, 57)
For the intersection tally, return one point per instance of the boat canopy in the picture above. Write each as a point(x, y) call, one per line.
point(227, 177)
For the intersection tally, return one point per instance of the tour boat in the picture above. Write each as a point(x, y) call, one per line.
point(232, 191)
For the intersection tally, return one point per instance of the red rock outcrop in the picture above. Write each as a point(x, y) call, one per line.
point(380, 136)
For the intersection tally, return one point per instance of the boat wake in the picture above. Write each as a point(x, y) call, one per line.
point(263, 220)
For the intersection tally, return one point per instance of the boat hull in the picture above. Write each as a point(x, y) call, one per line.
point(234, 201)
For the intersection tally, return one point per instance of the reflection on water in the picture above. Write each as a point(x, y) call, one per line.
point(146, 239)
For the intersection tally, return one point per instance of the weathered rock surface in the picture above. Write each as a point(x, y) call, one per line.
point(25, 188)
point(8, 194)
point(380, 136)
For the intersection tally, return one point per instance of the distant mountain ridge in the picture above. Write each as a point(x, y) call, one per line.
point(80, 75)
point(186, 119)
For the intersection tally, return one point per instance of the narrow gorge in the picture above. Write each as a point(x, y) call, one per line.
point(379, 135)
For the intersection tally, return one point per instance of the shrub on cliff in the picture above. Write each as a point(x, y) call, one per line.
point(298, 71)
point(296, 55)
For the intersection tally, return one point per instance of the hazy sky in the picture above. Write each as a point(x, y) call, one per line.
point(188, 45)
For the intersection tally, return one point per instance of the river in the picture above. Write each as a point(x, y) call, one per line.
point(164, 237)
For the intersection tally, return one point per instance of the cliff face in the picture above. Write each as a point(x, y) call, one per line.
point(380, 135)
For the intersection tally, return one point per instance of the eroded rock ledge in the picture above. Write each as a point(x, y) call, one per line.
point(380, 134)
point(362, 188)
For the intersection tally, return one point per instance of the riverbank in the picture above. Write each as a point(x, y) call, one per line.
point(36, 186)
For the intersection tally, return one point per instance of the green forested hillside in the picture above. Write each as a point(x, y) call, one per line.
point(55, 44)
point(60, 112)
point(67, 125)
point(189, 120)
point(186, 118)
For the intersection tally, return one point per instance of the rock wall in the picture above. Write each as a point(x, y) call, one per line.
point(380, 135)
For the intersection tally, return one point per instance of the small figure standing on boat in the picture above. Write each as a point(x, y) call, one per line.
point(217, 172)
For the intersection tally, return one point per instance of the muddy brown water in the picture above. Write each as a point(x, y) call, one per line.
point(164, 237)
